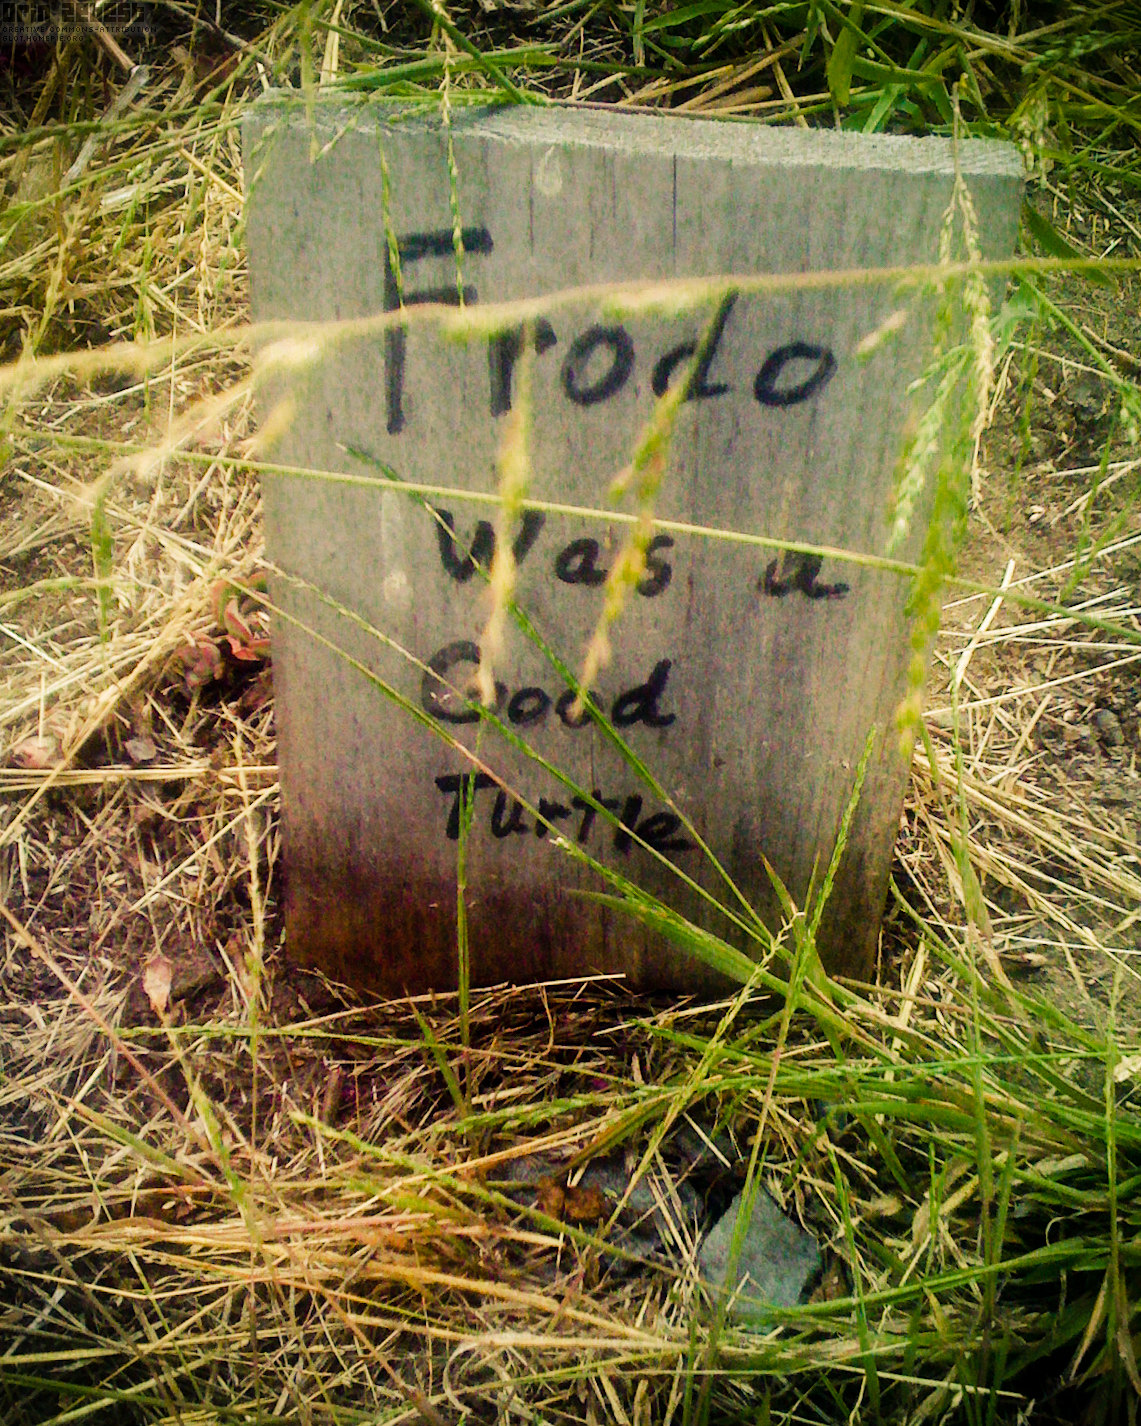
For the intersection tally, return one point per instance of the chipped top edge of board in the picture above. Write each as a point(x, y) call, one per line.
point(666, 135)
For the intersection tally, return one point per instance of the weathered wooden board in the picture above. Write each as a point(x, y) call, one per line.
point(746, 682)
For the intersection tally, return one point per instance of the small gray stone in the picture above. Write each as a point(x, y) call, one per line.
point(1108, 727)
point(777, 1261)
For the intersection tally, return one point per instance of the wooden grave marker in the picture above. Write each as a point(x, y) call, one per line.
point(746, 679)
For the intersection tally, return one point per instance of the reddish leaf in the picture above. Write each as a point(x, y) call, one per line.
point(253, 651)
point(201, 662)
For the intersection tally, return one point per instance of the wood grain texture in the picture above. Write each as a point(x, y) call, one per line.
point(747, 682)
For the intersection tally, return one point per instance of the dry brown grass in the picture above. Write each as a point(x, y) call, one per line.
point(227, 1192)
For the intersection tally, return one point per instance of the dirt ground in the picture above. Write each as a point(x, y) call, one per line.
point(1049, 711)
point(136, 728)
point(133, 751)
point(140, 866)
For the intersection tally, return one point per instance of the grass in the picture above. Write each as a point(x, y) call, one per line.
point(227, 1192)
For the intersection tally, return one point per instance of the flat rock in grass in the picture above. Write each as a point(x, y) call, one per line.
point(745, 679)
point(777, 1259)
